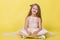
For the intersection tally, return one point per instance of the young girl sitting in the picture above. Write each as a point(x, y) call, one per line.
point(33, 25)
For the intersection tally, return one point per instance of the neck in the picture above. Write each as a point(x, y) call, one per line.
point(33, 15)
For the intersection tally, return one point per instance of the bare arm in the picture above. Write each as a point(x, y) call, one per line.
point(26, 25)
point(40, 25)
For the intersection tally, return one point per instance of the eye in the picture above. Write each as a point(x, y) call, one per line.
point(36, 9)
point(33, 8)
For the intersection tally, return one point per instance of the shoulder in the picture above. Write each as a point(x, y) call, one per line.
point(39, 19)
point(27, 18)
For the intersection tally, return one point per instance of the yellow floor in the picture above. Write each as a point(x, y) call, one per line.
point(56, 37)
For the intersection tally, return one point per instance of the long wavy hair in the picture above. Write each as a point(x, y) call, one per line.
point(38, 13)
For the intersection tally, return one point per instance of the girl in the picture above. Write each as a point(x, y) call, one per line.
point(33, 25)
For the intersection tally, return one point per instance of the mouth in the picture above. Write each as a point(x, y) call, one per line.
point(34, 11)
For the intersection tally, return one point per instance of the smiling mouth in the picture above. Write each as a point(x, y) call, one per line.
point(34, 11)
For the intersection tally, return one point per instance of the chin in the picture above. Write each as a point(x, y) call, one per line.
point(33, 13)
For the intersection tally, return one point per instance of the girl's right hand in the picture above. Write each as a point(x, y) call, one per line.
point(29, 33)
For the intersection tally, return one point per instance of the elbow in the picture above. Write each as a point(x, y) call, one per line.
point(25, 27)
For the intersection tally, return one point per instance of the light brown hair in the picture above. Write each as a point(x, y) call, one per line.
point(38, 13)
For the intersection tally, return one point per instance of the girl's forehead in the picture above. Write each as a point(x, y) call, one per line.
point(34, 6)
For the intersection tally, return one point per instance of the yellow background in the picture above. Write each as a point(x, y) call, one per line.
point(13, 13)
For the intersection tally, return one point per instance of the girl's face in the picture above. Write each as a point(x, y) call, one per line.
point(34, 10)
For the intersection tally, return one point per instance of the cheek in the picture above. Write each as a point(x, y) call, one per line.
point(36, 11)
point(32, 10)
